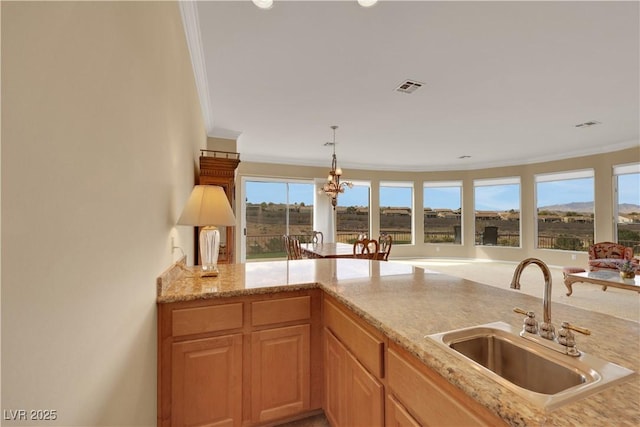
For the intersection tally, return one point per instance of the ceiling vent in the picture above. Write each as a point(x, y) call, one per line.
point(587, 124)
point(409, 86)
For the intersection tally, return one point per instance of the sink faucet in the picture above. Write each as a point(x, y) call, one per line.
point(546, 329)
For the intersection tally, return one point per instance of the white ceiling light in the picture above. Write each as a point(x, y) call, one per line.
point(263, 4)
point(367, 3)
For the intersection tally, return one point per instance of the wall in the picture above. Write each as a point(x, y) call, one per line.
point(601, 163)
point(101, 126)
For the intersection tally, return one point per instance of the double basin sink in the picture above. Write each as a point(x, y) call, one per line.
point(540, 374)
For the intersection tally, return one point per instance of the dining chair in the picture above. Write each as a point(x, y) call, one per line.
point(285, 243)
point(317, 237)
point(292, 246)
point(385, 241)
point(366, 248)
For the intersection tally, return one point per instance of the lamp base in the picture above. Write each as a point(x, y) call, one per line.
point(209, 248)
point(209, 271)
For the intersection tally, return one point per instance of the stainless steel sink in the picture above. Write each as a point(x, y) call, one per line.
point(543, 376)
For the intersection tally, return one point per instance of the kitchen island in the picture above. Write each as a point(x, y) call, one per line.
point(405, 303)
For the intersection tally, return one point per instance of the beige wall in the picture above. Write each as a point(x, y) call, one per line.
point(100, 128)
point(602, 165)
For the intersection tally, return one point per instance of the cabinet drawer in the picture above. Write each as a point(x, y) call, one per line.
point(364, 346)
point(430, 398)
point(280, 310)
point(214, 318)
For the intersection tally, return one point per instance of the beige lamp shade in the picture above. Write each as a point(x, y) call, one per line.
point(207, 205)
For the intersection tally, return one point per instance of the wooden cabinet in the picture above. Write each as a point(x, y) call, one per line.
point(218, 168)
point(428, 398)
point(239, 361)
point(362, 366)
point(335, 362)
point(206, 382)
point(267, 359)
point(397, 415)
point(354, 396)
point(279, 372)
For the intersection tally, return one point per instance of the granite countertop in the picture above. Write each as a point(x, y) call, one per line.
point(406, 303)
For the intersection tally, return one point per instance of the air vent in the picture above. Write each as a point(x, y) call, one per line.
point(409, 86)
point(587, 124)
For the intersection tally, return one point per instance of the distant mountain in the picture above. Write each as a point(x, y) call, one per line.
point(587, 207)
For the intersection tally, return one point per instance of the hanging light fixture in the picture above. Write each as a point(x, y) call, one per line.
point(333, 186)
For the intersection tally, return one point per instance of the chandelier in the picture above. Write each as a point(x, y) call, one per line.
point(333, 186)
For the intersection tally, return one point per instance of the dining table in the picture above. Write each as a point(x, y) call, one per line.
point(329, 250)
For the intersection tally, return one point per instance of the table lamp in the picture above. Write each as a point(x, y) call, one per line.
point(208, 207)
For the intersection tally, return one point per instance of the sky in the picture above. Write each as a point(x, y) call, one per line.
point(500, 198)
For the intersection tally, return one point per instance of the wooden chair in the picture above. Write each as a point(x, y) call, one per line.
point(385, 241)
point(292, 246)
point(317, 237)
point(366, 248)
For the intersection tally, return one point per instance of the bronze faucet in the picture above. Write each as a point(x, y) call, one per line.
point(546, 329)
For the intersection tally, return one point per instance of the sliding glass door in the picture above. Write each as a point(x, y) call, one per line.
point(272, 209)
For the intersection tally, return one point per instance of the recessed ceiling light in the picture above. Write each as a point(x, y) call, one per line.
point(263, 4)
point(367, 3)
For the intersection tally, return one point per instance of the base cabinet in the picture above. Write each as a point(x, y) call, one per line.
point(279, 372)
point(397, 415)
point(207, 382)
point(365, 396)
point(267, 359)
point(240, 362)
point(428, 398)
point(335, 362)
point(353, 397)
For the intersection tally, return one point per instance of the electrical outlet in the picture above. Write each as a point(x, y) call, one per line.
point(437, 248)
point(573, 257)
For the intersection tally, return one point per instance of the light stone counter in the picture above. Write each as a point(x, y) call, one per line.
point(406, 303)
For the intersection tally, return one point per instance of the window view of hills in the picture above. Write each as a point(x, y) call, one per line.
point(567, 226)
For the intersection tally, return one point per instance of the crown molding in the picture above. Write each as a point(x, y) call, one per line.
point(610, 148)
point(191, 23)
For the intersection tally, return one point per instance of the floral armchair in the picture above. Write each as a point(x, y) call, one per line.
point(608, 255)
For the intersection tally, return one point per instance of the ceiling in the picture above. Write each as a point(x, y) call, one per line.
point(505, 83)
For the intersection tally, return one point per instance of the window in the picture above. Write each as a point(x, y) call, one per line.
point(497, 211)
point(396, 219)
point(443, 212)
point(565, 210)
point(627, 204)
point(274, 208)
point(353, 213)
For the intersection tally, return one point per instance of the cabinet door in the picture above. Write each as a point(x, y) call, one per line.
point(353, 397)
point(365, 396)
point(280, 376)
point(206, 382)
point(397, 415)
point(335, 363)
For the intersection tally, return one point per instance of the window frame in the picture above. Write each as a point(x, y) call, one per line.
point(399, 184)
point(556, 177)
point(491, 182)
point(444, 184)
